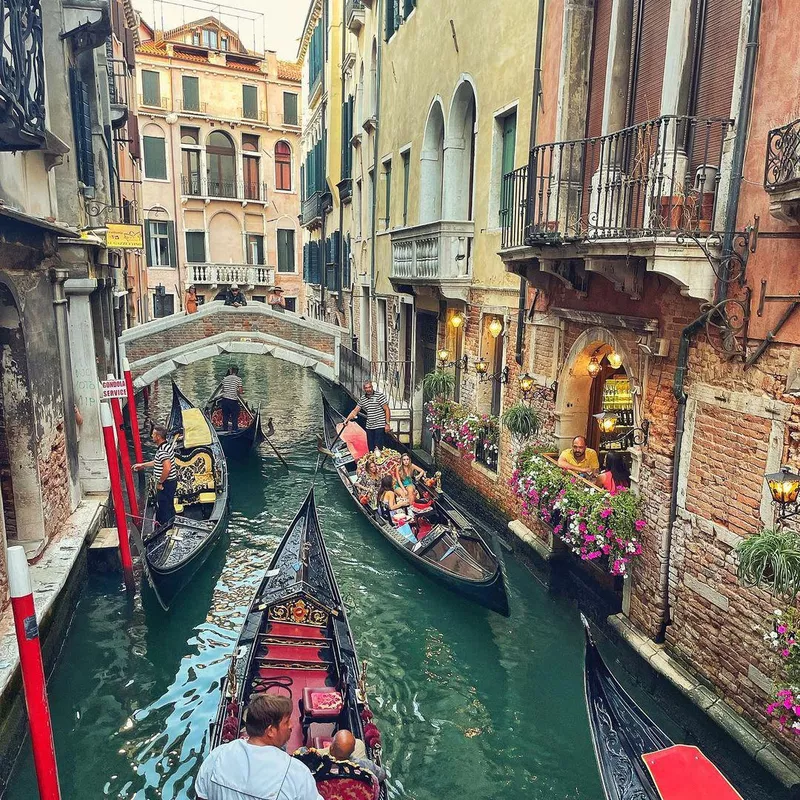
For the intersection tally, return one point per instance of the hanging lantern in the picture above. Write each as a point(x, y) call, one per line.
point(495, 327)
point(443, 355)
point(481, 366)
point(784, 486)
point(457, 320)
point(593, 367)
point(607, 421)
point(525, 383)
point(615, 359)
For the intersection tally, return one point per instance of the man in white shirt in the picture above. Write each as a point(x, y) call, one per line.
point(257, 768)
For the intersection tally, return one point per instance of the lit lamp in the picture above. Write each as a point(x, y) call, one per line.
point(593, 367)
point(443, 356)
point(607, 421)
point(495, 327)
point(481, 366)
point(457, 320)
point(525, 384)
point(615, 359)
point(784, 486)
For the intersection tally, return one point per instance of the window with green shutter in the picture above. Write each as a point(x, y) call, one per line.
point(250, 102)
point(509, 146)
point(155, 157)
point(195, 247)
point(406, 175)
point(151, 88)
point(160, 243)
point(290, 108)
point(387, 198)
point(285, 250)
point(191, 93)
point(82, 122)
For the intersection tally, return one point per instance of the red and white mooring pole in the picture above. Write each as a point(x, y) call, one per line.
point(33, 682)
point(125, 455)
point(134, 419)
point(107, 420)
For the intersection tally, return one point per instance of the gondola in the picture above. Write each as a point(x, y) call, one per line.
point(636, 759)
point(235, 443)
point(452, 551)
point(173, 554)
point(296, 641)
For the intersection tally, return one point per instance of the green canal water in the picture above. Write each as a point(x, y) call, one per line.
point(470, 704)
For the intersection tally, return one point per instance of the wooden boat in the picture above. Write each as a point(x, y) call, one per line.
point(296, 641)
point(452, 551)
point(173, 554)
point(636, 759)
point(249, 434)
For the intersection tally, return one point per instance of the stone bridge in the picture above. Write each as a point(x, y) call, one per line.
point(159, 347)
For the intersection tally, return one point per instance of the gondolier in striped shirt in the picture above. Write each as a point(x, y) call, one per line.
point(376, 407)
point(232, 388)
point(166, 474)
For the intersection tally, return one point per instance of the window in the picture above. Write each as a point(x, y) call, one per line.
point(291, 303)
point(507, 163)
point(190, 135)
point(221, 165)
point(387, 196)
point(408, 7)
point(196, 38)
point(250, 102)
point(290, 108)
point(383, 329)
point(370, 196)
point(163, 304)
point(286, 250)
point(160, 243)
point(210, 38)
point(224, 43)
point(255, 248)
point(392, 17)
point(82, 123)
point(155, 157)
point(406, 174)
point(191, 93)
point(195, 247)
point(190, 161)
point(283, 167)
point(357, 210)
point(259, 298)
point(151, 88)
point(251, 167)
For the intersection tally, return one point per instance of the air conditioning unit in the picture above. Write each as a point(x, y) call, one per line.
point(658, 348)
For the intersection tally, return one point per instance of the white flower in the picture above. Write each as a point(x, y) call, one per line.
point(778, 612)
point(773, 635)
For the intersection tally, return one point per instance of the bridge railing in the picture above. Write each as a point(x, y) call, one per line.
point(394, 378)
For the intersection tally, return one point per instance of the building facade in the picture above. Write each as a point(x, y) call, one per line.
point(219, 127)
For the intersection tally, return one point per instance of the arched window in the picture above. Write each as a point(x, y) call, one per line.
point(221, 161)
point(431, 166)
point(459, 162)
point(283, 167)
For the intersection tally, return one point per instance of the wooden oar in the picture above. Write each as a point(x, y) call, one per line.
point(329, 451)
point(270, 432)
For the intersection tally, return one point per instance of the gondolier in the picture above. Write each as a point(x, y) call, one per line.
point(376, 407)
point(165, 473)
point(232, 388)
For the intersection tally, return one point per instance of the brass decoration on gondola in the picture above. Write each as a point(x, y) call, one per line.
point(299, 611)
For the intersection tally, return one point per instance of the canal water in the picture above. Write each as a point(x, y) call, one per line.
point(470, 704)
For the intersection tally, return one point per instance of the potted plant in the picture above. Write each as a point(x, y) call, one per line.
point(521, 421)
point(438, 384)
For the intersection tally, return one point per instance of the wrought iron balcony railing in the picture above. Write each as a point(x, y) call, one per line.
point(394, 378)
point(221, 274)
point(253, 114)
point(118, 80)
point(782, 170)
point(153, 102)
point(21, 75)
point(657, 178)
point(193, 106)
point(194, 186)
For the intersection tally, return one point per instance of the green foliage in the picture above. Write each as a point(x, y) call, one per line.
point(438, 384)
point(771, 560)
point(521, 421)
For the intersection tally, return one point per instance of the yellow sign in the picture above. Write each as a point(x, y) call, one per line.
point(124, 237)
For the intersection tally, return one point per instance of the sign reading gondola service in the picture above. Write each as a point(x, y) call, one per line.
point(124, 237)
point(113, 389)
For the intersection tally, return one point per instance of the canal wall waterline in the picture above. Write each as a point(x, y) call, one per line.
point(57, 577)
point(552, 565)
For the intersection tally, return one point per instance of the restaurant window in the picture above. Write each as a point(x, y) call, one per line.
point(286, 250)
point(283, 167)
point(195, 247)
point(155, 157)
point(290, 108)
point(151, 88)
point(255, 248)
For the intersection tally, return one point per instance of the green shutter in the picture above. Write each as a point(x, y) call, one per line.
point(155, 157)
point(509, 146)
point(151, 88)
point(249, 102)
point(195, 247)
point(406, 175)
point(285, 250)
point(173, 250)
point(387, 177)
point(191, 93)
point(289, 108)
point(147, 250)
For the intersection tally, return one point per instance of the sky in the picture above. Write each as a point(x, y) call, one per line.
point(278, 23)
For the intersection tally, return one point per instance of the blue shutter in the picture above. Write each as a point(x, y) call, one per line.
point(82, 125)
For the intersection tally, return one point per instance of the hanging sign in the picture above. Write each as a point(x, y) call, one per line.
point(124, 237)
point(112, 389)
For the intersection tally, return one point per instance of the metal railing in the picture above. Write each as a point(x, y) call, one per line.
point(657, 178)
point(782, 169)
point(311, 209)
point(256, 116)
point(194, 186)
point(485, 455)
point(394, 378)
point(243, 274)
point(193, 107)
point(117, 81)
point(154, 102)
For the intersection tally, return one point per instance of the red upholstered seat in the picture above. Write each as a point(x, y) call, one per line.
point(321, 703)
point(216, 418)
point(347, 789)
point(321, 742)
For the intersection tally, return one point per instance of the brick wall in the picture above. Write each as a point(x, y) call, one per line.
point(54, 476)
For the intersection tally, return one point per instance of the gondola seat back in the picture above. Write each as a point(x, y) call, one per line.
point(244, 417)
point(196, 477)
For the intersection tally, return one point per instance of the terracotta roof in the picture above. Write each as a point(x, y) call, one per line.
point(239, 66)
point(289, 71)
point(160, 49)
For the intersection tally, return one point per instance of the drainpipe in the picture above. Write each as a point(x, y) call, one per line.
point(339, 283)
point(537, 89)
point(327, 59)
point(58, 276)
point(375, 154)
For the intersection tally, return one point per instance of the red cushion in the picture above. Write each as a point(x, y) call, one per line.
point(321, 742)
point(347, 789)
point(321, 702)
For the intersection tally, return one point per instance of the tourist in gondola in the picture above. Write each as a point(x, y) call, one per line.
point(345, 747)
point(406, 475)
point(232, 389)
point(368, 482)
point(390, 503)
point(165, 473)
point(376, 406)
point(616, 475)
point(257, 768)
point(579, 459)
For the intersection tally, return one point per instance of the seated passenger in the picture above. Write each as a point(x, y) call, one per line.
point(406, 475)
point(390, 505)
point(367, 483)
point(580, 459)
point(343, 748)
point(616, 475)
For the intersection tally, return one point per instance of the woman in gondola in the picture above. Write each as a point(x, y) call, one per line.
point(390, 503)
point(406, 474)
point(368, 483)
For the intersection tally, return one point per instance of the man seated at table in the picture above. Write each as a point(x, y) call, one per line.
point(579, 459)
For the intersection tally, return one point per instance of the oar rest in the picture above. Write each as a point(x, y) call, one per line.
point(196, 481)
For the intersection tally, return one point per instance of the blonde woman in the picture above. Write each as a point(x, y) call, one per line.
point(406, 474)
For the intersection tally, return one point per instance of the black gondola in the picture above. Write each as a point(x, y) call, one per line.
point(296, 641)
point(636, 759)
point(235, 443)
point(452, 551)
point(174, 553)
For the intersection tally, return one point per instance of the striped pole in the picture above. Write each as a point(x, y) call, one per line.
point(125, 456)
point(134, 419)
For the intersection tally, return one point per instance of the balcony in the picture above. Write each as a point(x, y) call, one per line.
point(248, 275)
point(645, 193)
point(782, 172)
point(118, 78)
point(21, 76)
point(252, 115)
point(194, 186)
point(157, 103)
point(192, 107)
point(354, 14)
point(311, 211)
point(436, 254)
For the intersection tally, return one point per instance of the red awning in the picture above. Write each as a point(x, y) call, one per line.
point(684, 773)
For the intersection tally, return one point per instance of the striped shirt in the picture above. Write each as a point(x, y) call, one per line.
point(231, 384)
point(165, 452)
point(373, 408)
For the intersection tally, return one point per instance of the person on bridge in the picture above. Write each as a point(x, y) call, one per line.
point(166, 474)
point(235, 296)
point(376, 406)
point(276, 300)
point(232, 388)
point(190, 301)
point(257, 768)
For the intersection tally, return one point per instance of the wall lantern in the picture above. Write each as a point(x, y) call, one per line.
point(443, 356)
point(607, 421)
point(457, 320)
point(495, 327)
point(525, 384)
point(593, 367)
point(784, 486)
point(481, 366)
point(615, 359)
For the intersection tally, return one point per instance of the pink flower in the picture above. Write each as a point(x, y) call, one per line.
point(785, 653)
point(781, 629)
point(606, 512)
point(640, 524)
